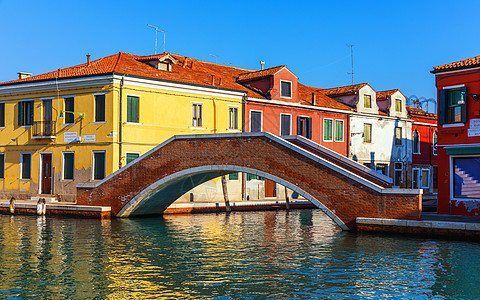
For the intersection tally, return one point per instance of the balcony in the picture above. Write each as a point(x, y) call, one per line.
point(43, 130)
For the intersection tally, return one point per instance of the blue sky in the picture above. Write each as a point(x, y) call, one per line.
point(396, 43)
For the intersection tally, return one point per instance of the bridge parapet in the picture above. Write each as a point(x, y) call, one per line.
point(156, 179)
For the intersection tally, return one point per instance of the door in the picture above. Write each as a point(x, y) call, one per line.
point(46, 174)
point(270, 189)
point(47, 118)
point(416, 179)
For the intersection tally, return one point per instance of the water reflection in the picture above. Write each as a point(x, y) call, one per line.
point(278, 255)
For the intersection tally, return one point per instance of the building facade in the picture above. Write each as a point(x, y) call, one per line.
point(458, 87)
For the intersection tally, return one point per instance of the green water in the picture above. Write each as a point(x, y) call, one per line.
point(247, 255)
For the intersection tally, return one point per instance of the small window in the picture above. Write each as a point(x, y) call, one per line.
point(26, 165)
point(338, 131)
point(233, 117)
point(25, 113)
point(367, 133)
point(2, 114)
point(416, 142)
point(69, 109)
point(68, 165)
point(255, 121)
point(99, 108)
point(367, 101)
point(196, 115)
point(131, 157)
point(382, 169)
point(398, 105)
point(285, 125)
point(425, 179)
point(304, 127)
point(398, 174)
point(98, 165)
point(254, 177)
point(2, 165)
point(132, 109)
point(233, 176)
point(286, 89)
point(327, 130)
point(398, 136)
point(434, 143)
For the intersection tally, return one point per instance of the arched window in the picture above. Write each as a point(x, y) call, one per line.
point(416, 142)
point(434, 142)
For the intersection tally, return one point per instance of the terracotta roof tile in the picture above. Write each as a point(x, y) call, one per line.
point(462, 64)
point(259, 74)
point(420, 113)
point(386, 94)
point(343, 90)
point(321, 99)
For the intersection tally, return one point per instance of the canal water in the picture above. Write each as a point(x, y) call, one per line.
point(244, 255)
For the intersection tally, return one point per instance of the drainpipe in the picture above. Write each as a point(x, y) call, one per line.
point(214, 116)
point(244, 183)
point(120, 123)
point(348, 136)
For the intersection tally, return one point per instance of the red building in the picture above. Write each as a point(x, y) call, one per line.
point(458, 86)
point(424, 151)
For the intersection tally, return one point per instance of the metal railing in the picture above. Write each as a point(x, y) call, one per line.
point(44, 129)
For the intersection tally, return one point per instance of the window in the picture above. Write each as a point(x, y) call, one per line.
point(435, 179)
point(452, 106)
point(99, 108)
point(338, 131)
point(196, 115)
point(416, 142)
point(435, 143)
point(304, 127)
point(466, 176)
point(25, 113)
point(416, 178)
point(254, 177)
point(286, 89)
point(233, 117)
point(68, 165)
point(425, 179)
point(327, 130)
point(2, 165)
point(2, 114)
point(367, 101)
point(233, 176)
point(382, 169)
point(131, 157)
point(285, 124)
point(255, 121)
point(398, 174)
point(398, 135)
point(25, 165)
point(98, 165)
point(367, 133)
point(132, 109)
point(69, 107)
point(398, 105)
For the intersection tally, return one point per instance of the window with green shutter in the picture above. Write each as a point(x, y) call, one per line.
point(327, 130)
point(99, 108)
point(233, 176)
point(68, 165)
point(26, 164)
point(131, 157)
point(69, 108)
point(338, 130)
point(98, 165)
point(25, 113)
point(2, 165)
point(132, 109)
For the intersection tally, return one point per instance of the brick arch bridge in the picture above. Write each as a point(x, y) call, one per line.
point(343, 189)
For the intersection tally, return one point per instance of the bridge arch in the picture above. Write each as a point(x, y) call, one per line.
point(159, 195)
point(337, 185)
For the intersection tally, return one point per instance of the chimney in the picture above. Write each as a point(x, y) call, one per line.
point(22, 75)
point(185, 62)
point(262, 63)
point(314, 99)
point(88, 59)
point(220, 81)
point(213, 80)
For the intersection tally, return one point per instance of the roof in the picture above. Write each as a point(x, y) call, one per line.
point(420, 113)
point(322, 100)
point(343, 90)
point(259, 74)
point(462, 64)
point(386, 94)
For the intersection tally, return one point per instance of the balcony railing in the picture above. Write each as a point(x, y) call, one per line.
point(44, 129)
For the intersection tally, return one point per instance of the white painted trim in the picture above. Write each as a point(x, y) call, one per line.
point(418, 179)
point(453, 86)
point(47, 98)
point(231, 105)
point(99, 94)
point(104, 163)
point(425, 124)
point(102, 122)
point(250, 119)
point(133, 95)
point(421, 179)
point(290, 123)
point(132, 152)
point(21, 165)
point(434, 151)
point(291, 89)
point(229, 120)
point(287, 70)
point(323, 130)
point(68, 96)
point(40, 171)
point(63, 165)
point(453, 125)
point(343, 131)
point(460, 146)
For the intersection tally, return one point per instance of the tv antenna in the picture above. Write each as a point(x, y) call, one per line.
point(156, 31)
point(215, 57)
point(351, 53)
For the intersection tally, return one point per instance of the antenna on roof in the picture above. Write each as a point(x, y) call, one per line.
point(215, 57)
point(351, 53)
point(156, 31)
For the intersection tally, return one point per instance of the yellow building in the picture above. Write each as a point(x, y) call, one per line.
point(80, 124)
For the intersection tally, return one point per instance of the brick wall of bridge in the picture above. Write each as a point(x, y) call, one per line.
point(344, 196)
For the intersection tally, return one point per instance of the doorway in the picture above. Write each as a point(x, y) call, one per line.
point(270, 189)
point(46, 169)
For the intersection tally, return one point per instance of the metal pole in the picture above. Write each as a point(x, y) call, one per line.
point(351, 54)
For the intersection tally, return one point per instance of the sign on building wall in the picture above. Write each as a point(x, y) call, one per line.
point(69, 137)
point(474, 129)
point(90, 138)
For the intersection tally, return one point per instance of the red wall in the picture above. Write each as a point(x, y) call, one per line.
point(426, 132)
